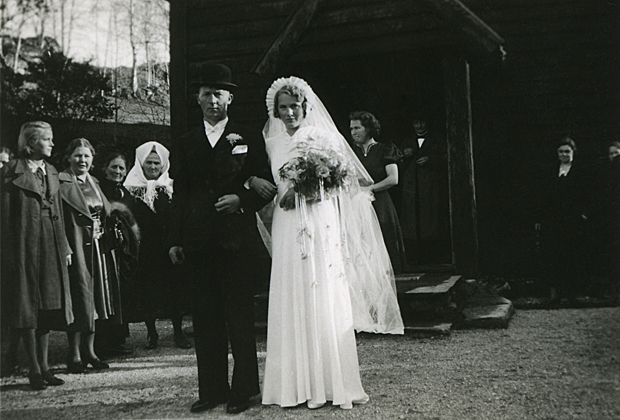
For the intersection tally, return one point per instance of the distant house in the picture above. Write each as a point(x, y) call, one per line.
point(503, 80)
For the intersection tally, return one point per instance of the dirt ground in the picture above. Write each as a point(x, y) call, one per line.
point(549, 364)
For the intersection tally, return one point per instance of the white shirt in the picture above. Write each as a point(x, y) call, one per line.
point(564, 170)
point(420, 141)
point(33, 166)
point(215, 132)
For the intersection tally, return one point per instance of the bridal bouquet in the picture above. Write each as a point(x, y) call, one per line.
point(318, 170)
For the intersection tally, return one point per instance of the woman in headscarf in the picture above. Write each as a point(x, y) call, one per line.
point(161, 288)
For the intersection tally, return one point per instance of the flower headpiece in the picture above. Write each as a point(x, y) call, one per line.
point(288, 81)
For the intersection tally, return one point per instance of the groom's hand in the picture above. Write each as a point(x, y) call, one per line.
point(229, 203)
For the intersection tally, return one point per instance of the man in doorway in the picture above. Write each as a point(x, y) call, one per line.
point(422, 213)
point(214, 236)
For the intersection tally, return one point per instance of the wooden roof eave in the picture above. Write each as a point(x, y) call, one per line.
point(479, 36)
point(287, 38)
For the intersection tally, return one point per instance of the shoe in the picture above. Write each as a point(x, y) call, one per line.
point(204, 405)
point(51, 379)
point(314, 406)
point(36, 382)
point(96, 363)
point(152, 341)
point(182, 342)
point(76, 367)
point(237, 406)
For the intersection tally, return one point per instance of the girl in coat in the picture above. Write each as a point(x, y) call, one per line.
point(93, 275)
point(35, 251)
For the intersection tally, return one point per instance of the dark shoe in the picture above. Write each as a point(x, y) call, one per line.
point(96, 364)
point(182, 342)
point(204, 405)
point(152, 341)
point(51, 379)
point(76, 367)
point(237, 406)
point(36, 382)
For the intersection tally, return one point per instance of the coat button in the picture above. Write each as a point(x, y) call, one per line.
point(55, 217)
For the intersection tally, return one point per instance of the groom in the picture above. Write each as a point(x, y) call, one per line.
point(215, 238)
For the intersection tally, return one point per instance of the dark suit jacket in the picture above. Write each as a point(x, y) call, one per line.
point(202, 174)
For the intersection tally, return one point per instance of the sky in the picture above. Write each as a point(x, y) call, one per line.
point(100, 31)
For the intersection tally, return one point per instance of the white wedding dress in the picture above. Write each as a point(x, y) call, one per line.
point(311, 348)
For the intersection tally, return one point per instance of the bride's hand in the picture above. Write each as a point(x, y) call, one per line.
point(288, 200)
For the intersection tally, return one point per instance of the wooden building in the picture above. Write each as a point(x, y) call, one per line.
point(504, 79)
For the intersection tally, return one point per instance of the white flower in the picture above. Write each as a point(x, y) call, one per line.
point(234, 138)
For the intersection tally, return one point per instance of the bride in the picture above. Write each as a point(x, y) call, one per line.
point(331, 273)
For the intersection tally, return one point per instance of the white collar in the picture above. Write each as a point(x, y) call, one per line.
point(33, 165)
point(214, 132)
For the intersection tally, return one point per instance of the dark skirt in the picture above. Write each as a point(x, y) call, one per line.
point(390, 228)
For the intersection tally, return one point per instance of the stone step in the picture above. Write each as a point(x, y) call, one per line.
point(431, 304)
point(483, 311)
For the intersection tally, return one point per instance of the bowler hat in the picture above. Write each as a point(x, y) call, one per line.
point(215, 75)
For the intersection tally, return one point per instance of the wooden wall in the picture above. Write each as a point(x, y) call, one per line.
point(561, 77)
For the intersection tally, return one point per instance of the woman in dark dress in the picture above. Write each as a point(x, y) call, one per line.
point(111, 336)
point(380, 160)
point(93, 277)
point(562, 224)
point(161, 292)
point(35, 251)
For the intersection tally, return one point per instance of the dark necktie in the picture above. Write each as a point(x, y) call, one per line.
point(42, 182)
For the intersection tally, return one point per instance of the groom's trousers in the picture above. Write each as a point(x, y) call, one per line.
point(223, 289)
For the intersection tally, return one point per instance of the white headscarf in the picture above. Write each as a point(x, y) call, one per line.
point(142, 188)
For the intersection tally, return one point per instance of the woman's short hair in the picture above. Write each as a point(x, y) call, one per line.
point(28, 134)
point(369, 121)
point(110, 157)
point(75, 143)
point(295, 92)
point(614, 143)
point(567, 141)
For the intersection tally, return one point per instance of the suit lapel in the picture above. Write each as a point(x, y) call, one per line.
point(72, 194)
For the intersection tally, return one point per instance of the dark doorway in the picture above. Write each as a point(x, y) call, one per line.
point(398, 88)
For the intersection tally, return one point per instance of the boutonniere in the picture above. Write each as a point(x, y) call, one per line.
point(234, 138)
